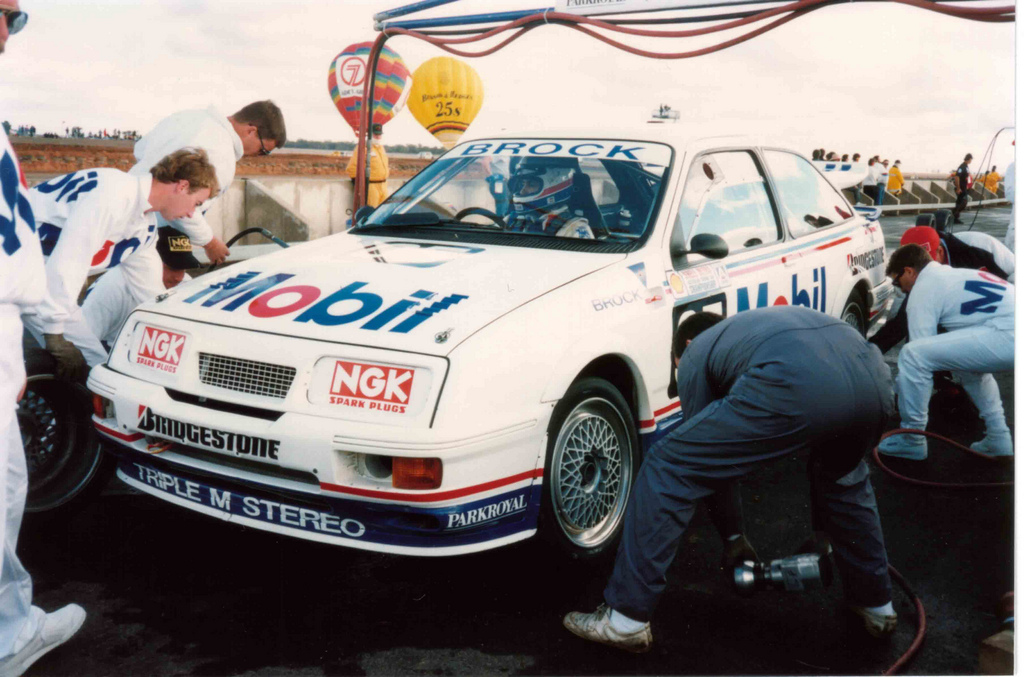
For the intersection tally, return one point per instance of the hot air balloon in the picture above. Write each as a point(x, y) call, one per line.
point(347, 77)
point(446, 95)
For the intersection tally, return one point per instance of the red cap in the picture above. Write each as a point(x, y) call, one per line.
point(925, 236)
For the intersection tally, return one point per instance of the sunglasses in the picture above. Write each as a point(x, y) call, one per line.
point(896, 280)
point(16, 20)
point(263, 149)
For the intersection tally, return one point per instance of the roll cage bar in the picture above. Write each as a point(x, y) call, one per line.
point(476, 27)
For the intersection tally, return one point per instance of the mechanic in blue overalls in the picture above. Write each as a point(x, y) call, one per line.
point(759, 386)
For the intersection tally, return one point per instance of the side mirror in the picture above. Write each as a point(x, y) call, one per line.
point(361, 214)
point(706, 244)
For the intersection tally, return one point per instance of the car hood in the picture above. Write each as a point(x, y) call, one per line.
point(408, 295)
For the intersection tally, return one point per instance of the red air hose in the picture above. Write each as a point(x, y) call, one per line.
point(921, 622)
point(943, 485)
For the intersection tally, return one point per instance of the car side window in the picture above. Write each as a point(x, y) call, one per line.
point(809, 201)
point(727, 195)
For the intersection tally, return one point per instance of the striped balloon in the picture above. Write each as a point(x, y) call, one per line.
point(347, 77)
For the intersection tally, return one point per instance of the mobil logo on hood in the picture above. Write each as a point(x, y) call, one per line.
point(356, 303)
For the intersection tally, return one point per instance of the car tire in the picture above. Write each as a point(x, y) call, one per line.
point(593, 457)
point(925, 220)
point(66, 464)
point(943, 219)
point(854, 313)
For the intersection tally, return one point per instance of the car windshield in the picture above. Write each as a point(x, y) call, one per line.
point(535, 191)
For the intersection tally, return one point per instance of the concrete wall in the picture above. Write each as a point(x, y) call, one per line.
point(294, 208)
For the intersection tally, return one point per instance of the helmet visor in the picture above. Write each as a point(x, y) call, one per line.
point(526, 184)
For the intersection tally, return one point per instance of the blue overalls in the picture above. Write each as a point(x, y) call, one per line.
point(756, 387)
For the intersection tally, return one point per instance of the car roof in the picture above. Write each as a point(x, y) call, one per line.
point(678, 135)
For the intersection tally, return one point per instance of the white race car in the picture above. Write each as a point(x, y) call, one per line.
point(486, 354)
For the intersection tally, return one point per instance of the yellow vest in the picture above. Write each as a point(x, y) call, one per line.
point(379, 171)
point(895, 179)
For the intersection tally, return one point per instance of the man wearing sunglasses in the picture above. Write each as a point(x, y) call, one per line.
point(975, 309)
point(26, 631)
point(973, 250)
point(255, 130)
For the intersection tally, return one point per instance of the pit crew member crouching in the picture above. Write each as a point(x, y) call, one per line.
point(90, 221)
point(976, 310)
point(112, 298)
point(976, 251)
point(546, 198)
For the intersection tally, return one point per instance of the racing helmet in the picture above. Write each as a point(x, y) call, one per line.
point(540, 187)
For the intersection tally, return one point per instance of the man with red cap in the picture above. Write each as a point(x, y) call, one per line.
point(977, 251)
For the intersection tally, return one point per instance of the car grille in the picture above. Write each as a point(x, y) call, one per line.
point(245, 376)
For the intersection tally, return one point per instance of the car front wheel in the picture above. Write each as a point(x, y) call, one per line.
point(854, 314)
point(592, 460)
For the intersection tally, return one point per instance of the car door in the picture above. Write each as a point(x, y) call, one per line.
point(821, 225)
point(726, 193)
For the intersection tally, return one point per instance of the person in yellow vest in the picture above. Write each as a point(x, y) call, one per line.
point(379, 170)
point(992, 180)
point(895, 179)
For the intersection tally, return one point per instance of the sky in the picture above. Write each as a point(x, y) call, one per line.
point(874, 78)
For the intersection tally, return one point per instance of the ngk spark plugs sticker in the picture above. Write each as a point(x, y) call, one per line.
point(160, 349)
point(375, 387)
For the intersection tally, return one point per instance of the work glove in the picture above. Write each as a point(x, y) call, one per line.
point(71, 364)
point(737, 551)
point(817, 543)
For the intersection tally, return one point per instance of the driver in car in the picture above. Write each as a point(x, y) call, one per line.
point(541, 192)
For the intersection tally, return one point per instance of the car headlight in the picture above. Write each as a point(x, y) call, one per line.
point(374, 387)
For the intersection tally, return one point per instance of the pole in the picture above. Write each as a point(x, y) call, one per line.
point(365, 139)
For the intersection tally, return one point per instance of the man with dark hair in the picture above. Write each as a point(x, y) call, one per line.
point(975, 309)
point(970, 249)
point(117, 292)
point(256, 129)
point(26, 631)
point(962, 184)
point(746, 401)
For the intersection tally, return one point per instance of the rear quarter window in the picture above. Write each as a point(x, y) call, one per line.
point(808, 201)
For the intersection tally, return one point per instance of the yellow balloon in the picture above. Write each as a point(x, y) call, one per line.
point(446, 95)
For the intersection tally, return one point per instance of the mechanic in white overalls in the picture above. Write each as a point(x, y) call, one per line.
point(256, 129)
point(112, 298)
point(26, 631)
point(976, 310)
point(90, 221)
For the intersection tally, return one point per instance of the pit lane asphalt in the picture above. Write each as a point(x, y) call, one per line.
point(170, 592)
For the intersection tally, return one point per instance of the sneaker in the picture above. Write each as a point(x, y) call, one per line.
point(55, 629)
point(876, 624)
point(913, 447)
point(995, 445)
point(597, 627)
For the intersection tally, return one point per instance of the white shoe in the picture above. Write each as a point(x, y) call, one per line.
point(878, 625)
point(905, 445)
point(995, 444)
point(56, 628)
point(597, 627)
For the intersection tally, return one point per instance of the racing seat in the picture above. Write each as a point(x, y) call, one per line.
point(582, 200)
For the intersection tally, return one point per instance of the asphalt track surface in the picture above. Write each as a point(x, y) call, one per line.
point(171, 592)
